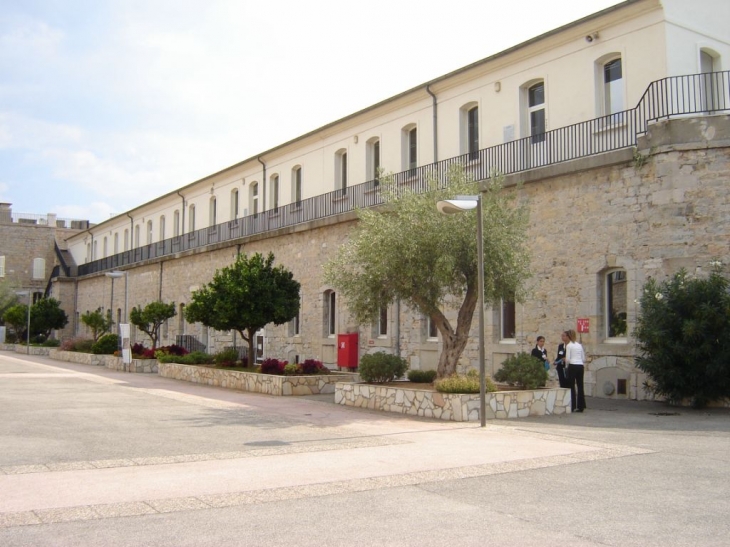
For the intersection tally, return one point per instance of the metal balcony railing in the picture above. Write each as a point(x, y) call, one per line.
point(707, 93)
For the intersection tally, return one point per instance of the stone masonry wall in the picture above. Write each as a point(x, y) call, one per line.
point(587, 217)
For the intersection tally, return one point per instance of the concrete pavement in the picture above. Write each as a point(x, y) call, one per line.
point(96, 457)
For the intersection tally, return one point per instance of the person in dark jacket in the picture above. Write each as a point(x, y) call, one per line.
point(540, 352)
point(560, 361)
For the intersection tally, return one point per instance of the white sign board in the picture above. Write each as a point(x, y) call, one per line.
point(126, 343)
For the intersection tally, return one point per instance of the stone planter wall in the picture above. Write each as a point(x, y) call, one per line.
point(250, 381)
point(109, 361)
point(452, 406)
point(21, 348)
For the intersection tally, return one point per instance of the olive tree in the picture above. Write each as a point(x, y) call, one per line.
point(406, 250)
point(98, 322)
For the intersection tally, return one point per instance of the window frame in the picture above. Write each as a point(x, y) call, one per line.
point(533, 109)
point(609, 303)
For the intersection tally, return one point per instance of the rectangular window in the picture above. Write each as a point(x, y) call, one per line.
point(616, 304)
point(432, 331)
point(2, 266)
point(383, 321)
point(330, 303)
point(508, 322)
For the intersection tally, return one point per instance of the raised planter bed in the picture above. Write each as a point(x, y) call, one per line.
point(251, 381)
point(452, 406)
point(111, 362)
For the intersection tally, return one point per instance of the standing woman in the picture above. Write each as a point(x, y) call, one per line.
point(575, 357)
point(560, 361)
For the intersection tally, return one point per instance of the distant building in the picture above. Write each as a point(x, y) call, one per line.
point(616, 124)
point(33, 249)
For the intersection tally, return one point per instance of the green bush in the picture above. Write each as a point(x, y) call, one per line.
point(464, 384)
point(522, 370)
point(106, 345)
point(51, 343)
point(193, 358)
point(422, 376)
point(291, 369)
point(381, 367)
point(683, 337)
point(226, 358)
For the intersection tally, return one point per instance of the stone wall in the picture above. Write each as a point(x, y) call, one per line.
point(249, 381)
point(111, 362)
point(453, 406)
point(647, 218)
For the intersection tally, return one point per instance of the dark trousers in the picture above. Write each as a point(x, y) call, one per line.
point(562, 377)
point(575, 380)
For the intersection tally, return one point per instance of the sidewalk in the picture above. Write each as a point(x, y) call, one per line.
point(88, 445)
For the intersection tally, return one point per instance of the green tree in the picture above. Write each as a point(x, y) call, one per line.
point(245, 297)
point(407, 250)
point(99, 323)
point(683, 336)
point(8, 298)
point(46, 315)
point(17, 317)
point(150, 318)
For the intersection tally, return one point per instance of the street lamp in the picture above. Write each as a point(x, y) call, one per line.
point(27, 332)
point(459, 205)
point(116, 274)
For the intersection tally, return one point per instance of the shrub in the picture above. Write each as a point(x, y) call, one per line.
point(226, 358)
point(51, 343)
point(464, 384)
point(11, 338)
point(37, 339)
point(522, 370)
point(172, 349)
point(82, 345)
point(683, 337)
point(381, 367)
point(422, 376)
point(192, 358)
point(272, 366)
point(106, 345)
point(292, 368)
point(313, 366)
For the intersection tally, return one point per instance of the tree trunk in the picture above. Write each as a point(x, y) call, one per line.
point(454, 341)
point(251, 347)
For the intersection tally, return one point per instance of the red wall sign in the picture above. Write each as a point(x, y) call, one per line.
point(584, 325)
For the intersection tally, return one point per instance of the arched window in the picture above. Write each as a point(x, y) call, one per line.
point(95, 250)
point(274, 193)
point(126, 240)
point(535, 117)
point(191, 218)
point(254, 197)
point(162, 228)
point(409, 147)
point(213, 211)
point(234, 204)
point(116, 243)
point(296, 184)
point(616, 303)
point(372, 159)
point(149, 232)
point(330, 313)
point(176, 223)
point(39, 268)
point(469, 129)
point(136, 236)
point(104, 248)
point(341, 170)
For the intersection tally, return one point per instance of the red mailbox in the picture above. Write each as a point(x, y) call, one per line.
point(347, 350)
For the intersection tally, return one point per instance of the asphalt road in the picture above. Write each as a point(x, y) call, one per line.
point(94, 457)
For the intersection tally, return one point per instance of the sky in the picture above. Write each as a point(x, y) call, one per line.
point(107, 104)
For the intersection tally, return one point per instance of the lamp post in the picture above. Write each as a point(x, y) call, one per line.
point(459, 205)
point(116, 274)
point(27, 332)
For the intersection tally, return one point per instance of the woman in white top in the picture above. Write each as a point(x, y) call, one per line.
point(575, 357)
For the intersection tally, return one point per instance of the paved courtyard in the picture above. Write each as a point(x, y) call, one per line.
point(94, 457)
